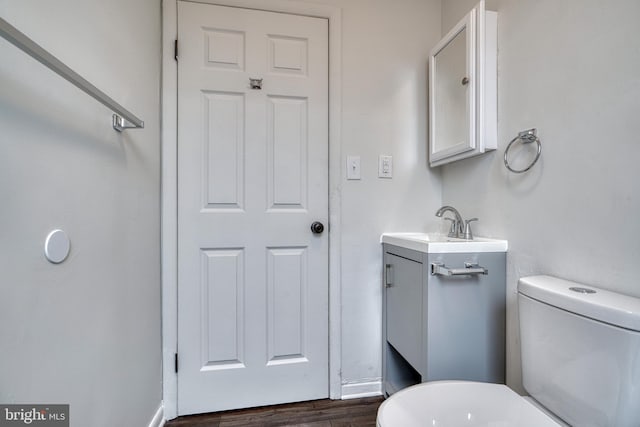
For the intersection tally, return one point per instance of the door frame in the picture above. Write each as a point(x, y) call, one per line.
point(169, 183)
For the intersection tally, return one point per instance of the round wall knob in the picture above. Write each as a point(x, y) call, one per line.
point(56, 246)
point(317, 227)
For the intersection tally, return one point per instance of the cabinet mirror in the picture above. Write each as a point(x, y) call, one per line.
point(452, 92)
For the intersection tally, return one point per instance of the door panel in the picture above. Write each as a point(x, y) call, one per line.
point(252, 177)
point(222, 308)
point(287, 144)
point(224, 150)
point(287, 287)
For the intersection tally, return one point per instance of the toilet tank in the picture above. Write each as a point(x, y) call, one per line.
point(580, 351)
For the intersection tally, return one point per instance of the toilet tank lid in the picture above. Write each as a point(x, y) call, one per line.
point(602, 305)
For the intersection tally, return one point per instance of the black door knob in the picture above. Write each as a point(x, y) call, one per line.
point(317, 227)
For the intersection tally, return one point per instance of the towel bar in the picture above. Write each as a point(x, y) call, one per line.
point(121, 120)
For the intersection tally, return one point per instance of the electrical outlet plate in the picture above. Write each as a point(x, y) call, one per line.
point(385, 166)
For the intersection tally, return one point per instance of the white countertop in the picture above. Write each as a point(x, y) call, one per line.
point(438, 243)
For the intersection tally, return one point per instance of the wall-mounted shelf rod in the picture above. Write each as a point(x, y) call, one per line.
point(122, 119)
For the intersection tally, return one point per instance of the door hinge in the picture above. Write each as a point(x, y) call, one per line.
point(175, 49)
point(176, 362)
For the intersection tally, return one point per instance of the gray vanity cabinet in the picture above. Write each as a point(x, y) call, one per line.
point(442, 327)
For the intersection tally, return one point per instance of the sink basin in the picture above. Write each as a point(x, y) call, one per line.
point(434, 243)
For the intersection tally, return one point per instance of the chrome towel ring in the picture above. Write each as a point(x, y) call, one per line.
point(526, 137)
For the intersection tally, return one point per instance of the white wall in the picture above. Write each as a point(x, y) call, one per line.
point(570, 68)
point(385, 48)
point(87, 331)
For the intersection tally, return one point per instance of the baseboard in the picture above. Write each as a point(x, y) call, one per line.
point(358, 389)
point(158, 419)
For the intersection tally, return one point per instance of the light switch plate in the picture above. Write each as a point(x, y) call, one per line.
point(353, 167)
point(385, 166)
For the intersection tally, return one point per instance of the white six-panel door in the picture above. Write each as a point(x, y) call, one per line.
point(252, 177)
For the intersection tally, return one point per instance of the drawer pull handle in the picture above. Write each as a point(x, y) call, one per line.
point(470, 269)
point(388, 279)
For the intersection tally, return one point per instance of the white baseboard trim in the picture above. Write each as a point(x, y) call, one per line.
point(355, 390)
point(158, 419)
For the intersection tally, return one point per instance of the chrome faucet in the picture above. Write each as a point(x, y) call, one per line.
point(459, 228)
point(456, 226)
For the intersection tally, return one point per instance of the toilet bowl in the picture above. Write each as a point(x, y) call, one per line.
point(460, 403)
point(580, 365)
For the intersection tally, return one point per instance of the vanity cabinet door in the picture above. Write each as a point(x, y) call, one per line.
point(403, 284)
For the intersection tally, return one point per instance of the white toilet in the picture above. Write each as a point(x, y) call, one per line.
point(580, 364)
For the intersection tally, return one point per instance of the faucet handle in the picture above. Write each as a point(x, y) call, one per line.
point(467, 229)
point(454, 227)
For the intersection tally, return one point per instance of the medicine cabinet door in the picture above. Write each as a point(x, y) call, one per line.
point(452, 80)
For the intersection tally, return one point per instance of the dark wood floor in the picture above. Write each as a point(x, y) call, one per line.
point(317, 413)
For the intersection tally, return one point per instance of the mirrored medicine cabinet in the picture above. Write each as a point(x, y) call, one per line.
point(462, 89)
